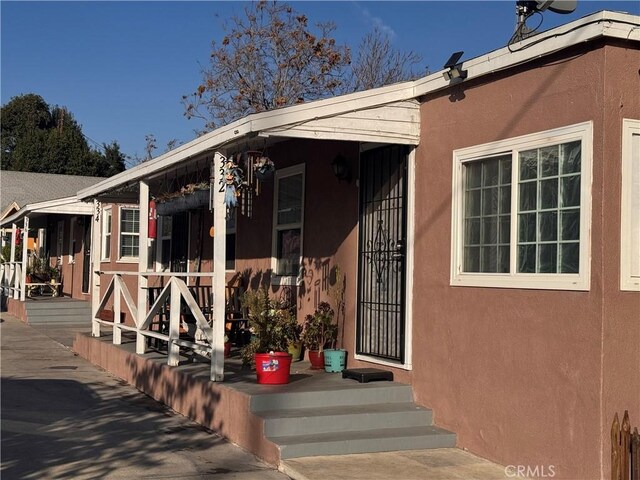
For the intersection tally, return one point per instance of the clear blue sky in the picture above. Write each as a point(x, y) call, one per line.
point(121, 67)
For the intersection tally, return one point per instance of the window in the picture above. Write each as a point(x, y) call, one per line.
point(630, 211)
point(288, 220)
point(129, 232)
point(521, 211)
point(106, 235)
point(165, 224)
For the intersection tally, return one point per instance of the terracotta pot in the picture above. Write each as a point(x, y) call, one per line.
point(317, 359)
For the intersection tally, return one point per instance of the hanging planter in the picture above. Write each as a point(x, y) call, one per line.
point(190, 197)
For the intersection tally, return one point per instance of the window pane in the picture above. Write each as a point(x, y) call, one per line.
point(548, 226)
point(167, 223)
point(473, 174)
point(570, 258)
point(527, 227)
point(503, 259)
point(472, 206)
point(107, 247)
point(548, 258)
point(490, 201)
point(504, 235)
point(472, 231)
point(288, 252)
point(290, 199)
point(571, 224)
point(528, 164)
point(571, 154)
point(489, 259)
point(571, 191)
point(526, 258)
point(472, 259)
point(230, 251)
point(129, 245)
point(528, 196)
point(549, 161)
point(129, 220)
point(487, 191)
point(549, 193)
point(490, 173)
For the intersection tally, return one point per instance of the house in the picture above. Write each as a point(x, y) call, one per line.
point(42, 221)
point(488, 238)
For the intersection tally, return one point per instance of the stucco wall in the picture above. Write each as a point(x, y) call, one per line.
point(517, 373)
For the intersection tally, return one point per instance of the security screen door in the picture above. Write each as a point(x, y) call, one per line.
point(381, 253)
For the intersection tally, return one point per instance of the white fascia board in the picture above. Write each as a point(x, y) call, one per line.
point(600, 24)
point(69, 205)
point(605, 23)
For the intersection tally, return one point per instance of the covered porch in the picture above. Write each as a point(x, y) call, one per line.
point(295, 250)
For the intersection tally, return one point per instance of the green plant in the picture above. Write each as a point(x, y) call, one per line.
point(6, 254)
point(273, 327)
point(319, 331)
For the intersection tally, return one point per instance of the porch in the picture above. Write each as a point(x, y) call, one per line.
point(317, 413)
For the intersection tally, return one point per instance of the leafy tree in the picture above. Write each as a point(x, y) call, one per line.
point(378, 63)
point(269, 59)
point(38, 138)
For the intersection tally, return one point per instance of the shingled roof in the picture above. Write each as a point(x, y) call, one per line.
point(29, 187)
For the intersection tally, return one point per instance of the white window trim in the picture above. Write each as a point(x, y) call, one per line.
point(126, 259)
point(72, 240)
point(159, 239)
point(280, 174)
point(629, 282)
point(107, 211)
point(547, 281)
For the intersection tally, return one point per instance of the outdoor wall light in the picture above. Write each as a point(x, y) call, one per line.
point(455, 68)
point(341, 168)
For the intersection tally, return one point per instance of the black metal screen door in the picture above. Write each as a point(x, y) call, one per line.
point(381, 253)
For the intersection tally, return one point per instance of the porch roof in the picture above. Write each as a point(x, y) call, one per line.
point(384, 115)
point(64, 206)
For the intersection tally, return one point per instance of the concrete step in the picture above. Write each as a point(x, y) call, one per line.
point(348, 393)
point(59, 312)
point(280, 423)
point(58, 304)
point(52, 319)
point(364, 441)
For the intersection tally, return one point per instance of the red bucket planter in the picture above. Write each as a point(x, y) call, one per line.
point(273, 368)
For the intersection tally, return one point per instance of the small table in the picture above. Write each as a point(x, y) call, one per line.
point(34, 289)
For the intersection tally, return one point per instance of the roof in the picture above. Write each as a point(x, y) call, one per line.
point(291, 121)
point(62, 206)
point(29, 187)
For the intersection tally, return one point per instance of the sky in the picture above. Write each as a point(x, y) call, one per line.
point(121, 68)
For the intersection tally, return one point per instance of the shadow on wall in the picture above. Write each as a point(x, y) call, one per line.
point(78, 430)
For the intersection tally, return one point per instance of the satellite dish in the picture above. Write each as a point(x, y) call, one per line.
point(526, 8)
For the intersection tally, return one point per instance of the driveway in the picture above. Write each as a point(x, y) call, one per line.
point(63, 418)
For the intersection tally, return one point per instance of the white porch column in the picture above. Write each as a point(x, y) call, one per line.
point(219, 280)
point(12, 265)
point(143, 260)
point(25, 241)
point(96, 255)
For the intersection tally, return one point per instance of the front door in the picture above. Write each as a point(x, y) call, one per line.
point(381, 254)
point(86, 256)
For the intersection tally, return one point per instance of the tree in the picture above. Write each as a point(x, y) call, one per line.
point(38, 138)
point(379, 63)
point(150, 146)
point(270, 59)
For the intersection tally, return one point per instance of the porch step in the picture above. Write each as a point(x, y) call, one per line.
point(282, 423)
point(364, 441)
point(339, 416)
point(58, 311)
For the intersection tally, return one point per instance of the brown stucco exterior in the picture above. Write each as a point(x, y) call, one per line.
point(528, 377)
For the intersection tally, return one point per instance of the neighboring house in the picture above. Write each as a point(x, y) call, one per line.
point(488, 238)
point(52, 225)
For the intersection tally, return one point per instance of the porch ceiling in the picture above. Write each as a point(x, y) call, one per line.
point(64, 206)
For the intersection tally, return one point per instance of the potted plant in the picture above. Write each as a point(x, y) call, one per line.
point(273, 328)
point(319, 332)
point(295, 345)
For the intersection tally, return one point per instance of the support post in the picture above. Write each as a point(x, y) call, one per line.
point(96, 255)
point(143, 260)
point(174, 325)
point(117, 317)
point(13, 275)
point(219, 280)
point(25, 259)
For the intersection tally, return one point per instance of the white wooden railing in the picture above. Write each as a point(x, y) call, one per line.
point(174, 291)
point(11, 279)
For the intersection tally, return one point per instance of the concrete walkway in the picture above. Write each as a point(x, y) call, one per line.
point(63, 418)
